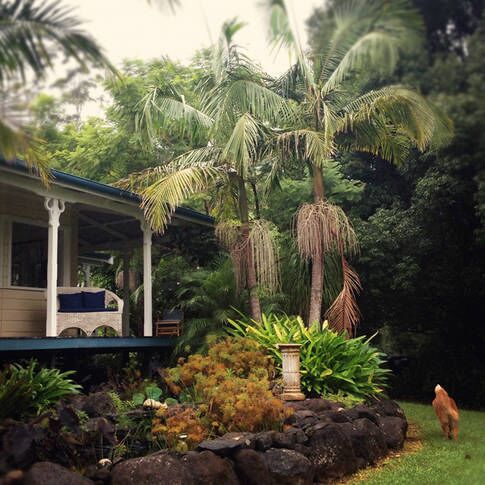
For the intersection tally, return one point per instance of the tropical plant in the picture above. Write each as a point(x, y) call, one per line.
point(32, 34)
point(26, 390)
point(237, 109)
point(338, 113)
point(330, 362)
point(208, 297)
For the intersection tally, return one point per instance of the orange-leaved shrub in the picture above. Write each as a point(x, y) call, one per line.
point(231, 387)
point(179, 426)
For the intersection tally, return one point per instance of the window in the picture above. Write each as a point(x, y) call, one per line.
point(29, 255)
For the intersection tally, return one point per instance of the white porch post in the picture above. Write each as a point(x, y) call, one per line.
point(147, 280)
point(126, 293)
point(55, 207)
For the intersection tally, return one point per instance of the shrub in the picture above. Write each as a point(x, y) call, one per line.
point(178, 427)
point(230, 385)
point(27, 390)
point(330, 362)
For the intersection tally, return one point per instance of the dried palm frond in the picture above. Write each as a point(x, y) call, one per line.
point(344, 314)
point(265, 255)
point(323, 227)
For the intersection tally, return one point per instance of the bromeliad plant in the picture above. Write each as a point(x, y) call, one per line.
point(28, 390)
point(330, 362)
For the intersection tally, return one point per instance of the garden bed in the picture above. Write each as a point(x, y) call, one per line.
point(320, 441)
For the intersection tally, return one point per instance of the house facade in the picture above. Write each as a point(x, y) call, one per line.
point(46, 231)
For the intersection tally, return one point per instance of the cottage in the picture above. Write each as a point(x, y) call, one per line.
point(47, 231)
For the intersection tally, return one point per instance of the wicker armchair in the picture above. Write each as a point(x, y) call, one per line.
point(90, 321)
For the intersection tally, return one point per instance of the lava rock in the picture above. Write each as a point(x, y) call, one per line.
point(394, 430)
point(97, 404)
point(161, 467)
point(251, 467)
point(288, 467)
point(386, 407)
point(229, 443)
point(367, 440)
point(207, 468)
point(299, 435)
point(284, 440)
point(332, 453)
point(311, 430)
point(264, 440)
point(335, 416)
point(361, 411)
point(47, 473)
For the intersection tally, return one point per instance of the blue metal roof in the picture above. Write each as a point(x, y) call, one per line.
point(103, 189)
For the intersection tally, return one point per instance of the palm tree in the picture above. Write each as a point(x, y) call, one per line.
point(338, 113)
point(237, 110)
point(32, 34)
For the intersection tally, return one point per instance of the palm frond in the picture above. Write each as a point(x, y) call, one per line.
point(247, 96)
point(157, 111)
point(344, 314)
point(395, 112)
point(160, 199)
point(33, 33)
point(366, 34)
point(241, 147)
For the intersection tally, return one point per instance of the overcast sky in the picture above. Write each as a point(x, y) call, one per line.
point(138, 29)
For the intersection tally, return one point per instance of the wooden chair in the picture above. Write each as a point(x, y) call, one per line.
point(170, 325)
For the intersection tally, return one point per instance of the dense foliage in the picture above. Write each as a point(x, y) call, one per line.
point(331, 364)
point(421, 225)
point(28, 390)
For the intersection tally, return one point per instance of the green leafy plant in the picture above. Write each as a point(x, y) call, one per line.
point(29, 390)
point(150, 392)
point(331, 363)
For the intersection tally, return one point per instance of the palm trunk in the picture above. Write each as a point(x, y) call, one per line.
point(251, 279)
point(316, 294)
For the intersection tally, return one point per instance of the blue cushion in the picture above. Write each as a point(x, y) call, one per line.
point(93, 300)
point(87, 310)
point(69, 301)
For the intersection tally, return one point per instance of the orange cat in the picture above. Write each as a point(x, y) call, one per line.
point(447, 412)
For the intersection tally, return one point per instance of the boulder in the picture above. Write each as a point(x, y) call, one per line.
point(386, 407)
point(367, 440)
point(288, 467)
point(97, 404)
point(394, 430)
point(228, 443)
point(335, 416)
point(160, 467)
point(47, 473)
point(264, 440)
point(284, 440)
point(298, 435)
point(251, 467)
point(360, 411)
point(332, 453)
point(207, 468)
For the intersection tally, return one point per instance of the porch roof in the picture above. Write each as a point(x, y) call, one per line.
point(84, 184)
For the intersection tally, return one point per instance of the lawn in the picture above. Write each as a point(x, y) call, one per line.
point(436, 461)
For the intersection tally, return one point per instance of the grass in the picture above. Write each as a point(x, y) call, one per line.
point(430, 459)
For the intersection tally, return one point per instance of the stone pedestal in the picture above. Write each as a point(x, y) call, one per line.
point(290, 354)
